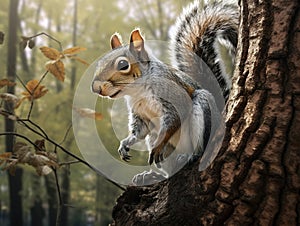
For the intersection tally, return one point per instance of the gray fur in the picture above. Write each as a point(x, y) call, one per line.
point(167, 102)
point(199, 30)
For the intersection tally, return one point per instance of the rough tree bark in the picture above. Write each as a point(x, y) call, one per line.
point(255, 179)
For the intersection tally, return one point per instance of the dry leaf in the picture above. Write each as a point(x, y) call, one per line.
point(80, 60)
point(73, 50)
point(5, 156)
point(13, 117)
point(6, 82)
point(22, 45)
point(42, 161)
point(31, 43)
point(88, 113)
point(9, 97)
point(40, 144)
point(51, 53)
point(34, 90)
point(56, 68)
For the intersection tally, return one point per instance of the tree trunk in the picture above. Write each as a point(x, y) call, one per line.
point(52, 199)
point(65, 194)
point(255, 179)
point(74, 43)
point(35, 31)
point(37, 211)
point(15, 182)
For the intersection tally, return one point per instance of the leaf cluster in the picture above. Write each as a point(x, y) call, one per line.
point(41, 160)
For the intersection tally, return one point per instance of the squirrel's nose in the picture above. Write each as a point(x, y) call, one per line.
point(96, 86)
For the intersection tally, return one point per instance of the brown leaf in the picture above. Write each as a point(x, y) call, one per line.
point(22, 45)
point(5, 156)
point(6, 82)
point(51, 53)
point(88, 113)
point(57, 69)
point(31, 43)
point(34, 90)
point(80, 60)
point(20, 147)
point(9, 97)
point(43, 170)
point(40, 144)
point(73, 50)
point(42, 161)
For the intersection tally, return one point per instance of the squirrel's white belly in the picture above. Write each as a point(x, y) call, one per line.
point(146, 107)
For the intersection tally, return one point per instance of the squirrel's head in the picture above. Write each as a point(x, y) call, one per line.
point(121, 67)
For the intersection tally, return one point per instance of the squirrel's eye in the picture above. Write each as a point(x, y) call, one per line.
point(122, 64)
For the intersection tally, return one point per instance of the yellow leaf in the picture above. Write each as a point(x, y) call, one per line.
point(57, 69)
point(6, 82)
point(73, 50)
point(80, 60)
point(51, 53)
point(88, 113)
point(34, 90)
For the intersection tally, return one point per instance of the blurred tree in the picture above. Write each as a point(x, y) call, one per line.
point(51, 199)
point(15, 182)
point(155, 17)
point(37, 212)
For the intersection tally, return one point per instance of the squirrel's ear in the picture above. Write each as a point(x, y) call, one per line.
point(116, 41)
point(137, 45)
point(136, 41)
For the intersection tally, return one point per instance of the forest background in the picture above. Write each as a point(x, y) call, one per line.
point(88, 24)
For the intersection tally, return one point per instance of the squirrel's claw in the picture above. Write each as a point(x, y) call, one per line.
point(123, 152)
point(150, 161)
point(155, 156)
point(126, 158)
point(161, 157)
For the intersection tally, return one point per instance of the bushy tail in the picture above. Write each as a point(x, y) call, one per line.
point(202, 30)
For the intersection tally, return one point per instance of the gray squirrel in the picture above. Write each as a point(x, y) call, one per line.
point(172, 106)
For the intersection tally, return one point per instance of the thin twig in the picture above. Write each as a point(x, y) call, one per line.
point(65, 151)
point(31, 129)
point(60, 200)
point(23, 137)
point(66, 134)
point(21, 81)
point(32, 94)
point(69, 163)
point(49, 36)
point(37, 126)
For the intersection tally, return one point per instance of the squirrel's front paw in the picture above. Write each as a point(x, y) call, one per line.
point(123, 152)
